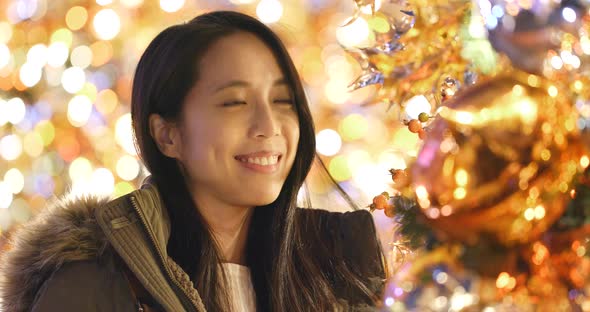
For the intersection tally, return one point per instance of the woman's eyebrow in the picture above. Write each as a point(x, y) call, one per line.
point(245, 84)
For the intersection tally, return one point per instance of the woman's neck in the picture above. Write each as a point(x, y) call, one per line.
point(229, 226)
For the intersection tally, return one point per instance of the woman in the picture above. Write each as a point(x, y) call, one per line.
point(222, 124)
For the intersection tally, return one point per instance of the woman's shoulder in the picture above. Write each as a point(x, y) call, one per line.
point(358, 220)
point(86, 285)
point(350, 233)
point(65, 231)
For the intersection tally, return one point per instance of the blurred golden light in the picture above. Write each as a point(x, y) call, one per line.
point(103, 182)
point(124, 134)
point(338, 168)
point(57, 54)
point(73, 79)
point(104, 2)
point(46, 130)
point(269, 11)
point(76, 17)
point(552, 90)
point(529, 214)
point(461, 177)
point(416, 105)
point(131, 3)
point(366, 9)
point(446, 210)
point(80, 169)
point(4, 55)
point(10, 147)
point(102, 52)
point(584, 161)
point(460, 193)
point(328, 142)
point(106, 101)
point(171, 6)
point(15, 180)
point(357, 160)
point(336, 90)
point(81, 56)
point(388, 160)
point(539, 212)
point(79, 110)
point(503, 280)
point(37, 55)
point(421, 192)
point(5, 195)
point(122, 188)
point(62, 35)
point(353, 127)
point(107, 24)
point(33, 144)
point(5, 32)
point(127, 168)
point(354, 34)
point(15, 110)
point(30, 74)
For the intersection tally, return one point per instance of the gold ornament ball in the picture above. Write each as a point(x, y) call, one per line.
point(498, 162)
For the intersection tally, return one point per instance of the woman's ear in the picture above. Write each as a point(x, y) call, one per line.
point(166, 135)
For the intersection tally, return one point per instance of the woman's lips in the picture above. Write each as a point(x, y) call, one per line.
point(263, 162)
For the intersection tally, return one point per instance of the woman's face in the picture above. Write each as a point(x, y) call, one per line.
point(239, 130)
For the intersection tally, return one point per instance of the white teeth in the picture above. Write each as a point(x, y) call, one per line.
point(262, 161)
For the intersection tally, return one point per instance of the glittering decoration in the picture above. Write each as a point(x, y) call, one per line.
point(494, 213)
point(540, 37)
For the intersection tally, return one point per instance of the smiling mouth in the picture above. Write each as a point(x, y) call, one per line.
point(260, 160)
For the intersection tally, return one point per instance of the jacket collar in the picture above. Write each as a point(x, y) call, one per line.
point(138, 227)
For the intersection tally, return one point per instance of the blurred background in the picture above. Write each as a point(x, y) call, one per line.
point(66, 70)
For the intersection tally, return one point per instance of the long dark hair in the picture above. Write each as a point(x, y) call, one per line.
point(285, 274)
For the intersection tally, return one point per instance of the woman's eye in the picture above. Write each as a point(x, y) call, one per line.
point(234, 103)
point(284, 101)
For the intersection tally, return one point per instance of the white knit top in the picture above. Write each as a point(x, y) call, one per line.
point(241, 290)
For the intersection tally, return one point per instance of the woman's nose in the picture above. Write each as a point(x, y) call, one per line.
point(265, 122)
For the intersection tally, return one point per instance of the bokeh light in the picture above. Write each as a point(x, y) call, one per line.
point(328, 142)
point(107, 24)
point(269, 11)
point(171, 6)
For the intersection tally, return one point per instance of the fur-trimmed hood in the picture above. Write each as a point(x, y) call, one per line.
point(65, 231)
point(136, 227)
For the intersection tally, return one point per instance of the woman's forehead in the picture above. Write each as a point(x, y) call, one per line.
point(241, 56)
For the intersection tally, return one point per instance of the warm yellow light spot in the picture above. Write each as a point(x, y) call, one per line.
point(529, 214)
point(15, 180)
point(545, 154)
point(123, 188)
point(517, 90)
point(353, 127)
point(539, 212)
point(533, 81)
point(563, 187)
point(584, 161)
point(76, 17)
point(461, 177)
point(503, 280)
point(421, 192)
point(552, 90)
point(46, 130)
point(127, 168)
point(578, 85)
point(353, 34)
point(460, 193)
point(33, 144)
point(338, 168)
point(62, 35)
point(446, 210)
